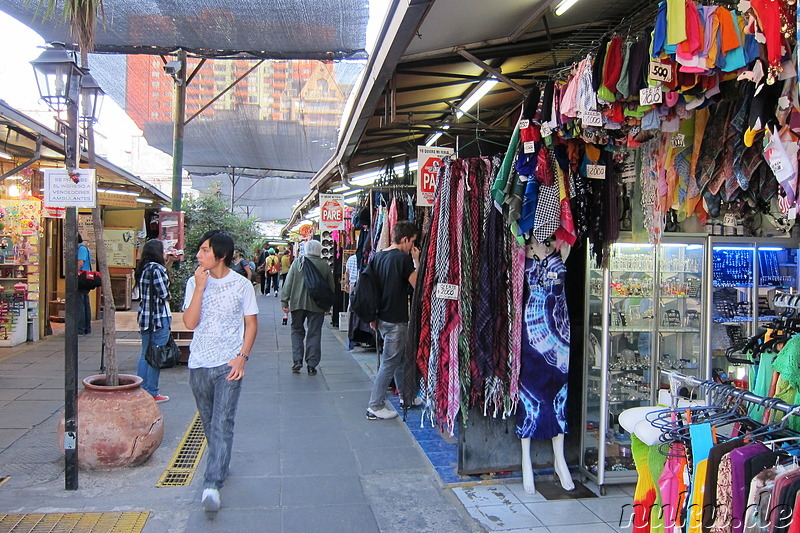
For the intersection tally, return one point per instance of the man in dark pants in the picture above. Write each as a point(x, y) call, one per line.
point(306, 344)
point(84, 306)
point(261, 267)
point(396, 274)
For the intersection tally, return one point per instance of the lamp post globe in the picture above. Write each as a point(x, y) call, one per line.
point(57, 76)
point(91, 98)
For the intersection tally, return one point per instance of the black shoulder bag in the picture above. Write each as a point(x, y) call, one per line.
point(165, 356)
point(316, 285)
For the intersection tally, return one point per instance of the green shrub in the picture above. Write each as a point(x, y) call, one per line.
point(201, 215)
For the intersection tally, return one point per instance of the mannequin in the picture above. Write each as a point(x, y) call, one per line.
point(545, 360)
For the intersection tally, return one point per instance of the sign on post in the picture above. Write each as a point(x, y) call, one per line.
point(429, 159)
point(331, 211)
point(64, 190)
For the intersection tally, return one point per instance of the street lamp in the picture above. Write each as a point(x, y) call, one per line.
point(58, 78)
point(91, 98)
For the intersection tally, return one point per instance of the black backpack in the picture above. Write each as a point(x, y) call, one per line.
point(367, 299)
point(316, 285)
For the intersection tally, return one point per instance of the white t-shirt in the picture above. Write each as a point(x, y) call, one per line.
point(219, 335)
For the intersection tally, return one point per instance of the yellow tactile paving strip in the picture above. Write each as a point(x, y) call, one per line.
point(128, 522)
point(187, 456)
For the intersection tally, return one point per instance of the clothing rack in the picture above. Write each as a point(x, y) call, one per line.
point(721, 389)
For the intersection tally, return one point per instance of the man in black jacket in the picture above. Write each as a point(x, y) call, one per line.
point(396, 275)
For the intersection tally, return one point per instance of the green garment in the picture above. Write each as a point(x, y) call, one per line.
point(501, 182)
point(762, 383)
point(294, 294)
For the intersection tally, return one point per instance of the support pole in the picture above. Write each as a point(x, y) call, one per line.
point(71, 315)
point(178, 116)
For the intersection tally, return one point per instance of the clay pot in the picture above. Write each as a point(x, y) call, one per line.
point(117, 426)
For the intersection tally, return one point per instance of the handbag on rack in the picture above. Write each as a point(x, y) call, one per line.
point(163, 356)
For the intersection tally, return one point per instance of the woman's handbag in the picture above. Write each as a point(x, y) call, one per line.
point(163, 356)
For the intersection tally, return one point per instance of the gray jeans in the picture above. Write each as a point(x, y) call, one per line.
point(394, 346)
point(307, 342)
point(216, 400)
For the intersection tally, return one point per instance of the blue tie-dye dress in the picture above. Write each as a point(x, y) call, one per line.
point(545, 350)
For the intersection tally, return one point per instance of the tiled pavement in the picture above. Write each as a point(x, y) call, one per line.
point(305, 458)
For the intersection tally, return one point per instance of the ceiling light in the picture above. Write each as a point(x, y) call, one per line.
point(144, 200)
point(5, 155)
point(563, 6)
point(432, 139)
point(480, 91)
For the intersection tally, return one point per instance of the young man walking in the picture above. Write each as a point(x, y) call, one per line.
point(396, 275)
point(220, 307)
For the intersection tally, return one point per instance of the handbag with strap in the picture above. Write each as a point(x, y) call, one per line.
point(165, 356)
point(89, 279)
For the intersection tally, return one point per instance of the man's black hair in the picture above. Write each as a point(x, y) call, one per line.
point(221, 244)
point(404, 228)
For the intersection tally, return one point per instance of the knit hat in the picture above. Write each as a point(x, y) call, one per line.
point(313, 248)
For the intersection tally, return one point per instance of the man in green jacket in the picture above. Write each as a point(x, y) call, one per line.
point(306, 343)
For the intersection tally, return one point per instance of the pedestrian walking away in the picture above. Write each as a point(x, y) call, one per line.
point(220, 306)
point(307, 316)
point(154, 316)
point(273, 269)
point(396, 274)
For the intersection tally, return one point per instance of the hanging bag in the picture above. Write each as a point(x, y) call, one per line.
point(316, 285)
point(165, 356)
point(89, 279)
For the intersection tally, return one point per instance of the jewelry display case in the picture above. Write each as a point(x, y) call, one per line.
point(644, 313)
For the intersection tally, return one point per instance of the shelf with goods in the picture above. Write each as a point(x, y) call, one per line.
point(20, 234)
point(644, 313)
point(746, 275)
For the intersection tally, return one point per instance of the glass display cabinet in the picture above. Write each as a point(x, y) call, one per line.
point(644, 313)
point(736, 306)
point(688, 304)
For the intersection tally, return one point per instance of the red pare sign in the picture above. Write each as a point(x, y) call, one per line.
point(332, 211)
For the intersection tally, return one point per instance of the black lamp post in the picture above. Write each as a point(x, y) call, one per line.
point(59, 78)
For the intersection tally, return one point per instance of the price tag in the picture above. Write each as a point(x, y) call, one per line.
point(597, 172)
point(546, 130)
point(776, 166)
point(650, 95)
point(592, 118)
point(529, 147)
point(446, 291)
point(679, 140)
point(523, 124)
point(660, 72)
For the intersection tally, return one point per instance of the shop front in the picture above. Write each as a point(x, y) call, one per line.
point(32, 300)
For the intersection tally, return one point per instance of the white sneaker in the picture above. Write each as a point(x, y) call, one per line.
point(211, 501)
point(383, 413)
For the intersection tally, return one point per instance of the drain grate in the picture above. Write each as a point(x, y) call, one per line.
point(130, 522)
point(183, 464)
